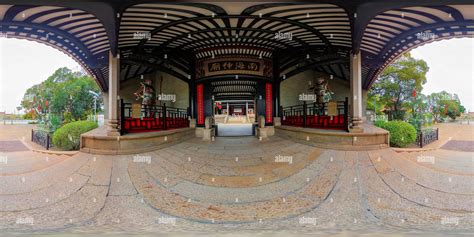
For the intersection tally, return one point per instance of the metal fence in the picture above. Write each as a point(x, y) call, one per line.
point(42, 138)
point(427, 136)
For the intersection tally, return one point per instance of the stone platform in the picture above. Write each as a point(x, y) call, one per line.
point(372, 138)
point(97, 141)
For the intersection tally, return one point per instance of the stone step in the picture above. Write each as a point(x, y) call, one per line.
point(278, 207)
point(233, 172)
point(17, 167)
point(427, 177)
point(19, 158)
point(95, 172)
point(389, 207)
point(76, 210)
point(460, 164)
point(280, 188)
point(23, 183)
point(49, 195)
point(419, 194)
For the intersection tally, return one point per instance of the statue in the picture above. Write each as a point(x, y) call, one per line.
point(146, 92)
point(320, 90)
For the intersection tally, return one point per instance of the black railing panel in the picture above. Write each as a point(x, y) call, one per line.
point(42, 138)
point(427, 136)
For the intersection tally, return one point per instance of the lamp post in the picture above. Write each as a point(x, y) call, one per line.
point(95, 95)
point(375, 108)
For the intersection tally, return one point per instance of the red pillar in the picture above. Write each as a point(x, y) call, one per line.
point(200, 104)
point(268, 103)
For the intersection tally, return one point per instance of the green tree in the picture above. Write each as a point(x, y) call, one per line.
point(64, 95)
point(396, 84)
point(444, 104)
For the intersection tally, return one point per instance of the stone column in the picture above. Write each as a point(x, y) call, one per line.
point(114, 80)
point(356, 93)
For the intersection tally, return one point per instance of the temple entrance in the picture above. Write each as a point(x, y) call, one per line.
point(234, 117)
point(234, 107)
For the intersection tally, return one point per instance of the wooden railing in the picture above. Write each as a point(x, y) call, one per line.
point(152, 118)
point(427, 136)
point(313, 115)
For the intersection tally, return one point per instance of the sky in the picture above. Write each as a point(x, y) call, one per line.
point(451, 64)
point(25, 63)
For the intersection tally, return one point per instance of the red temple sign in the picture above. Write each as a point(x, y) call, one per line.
point(200, 104)
point(268, 103)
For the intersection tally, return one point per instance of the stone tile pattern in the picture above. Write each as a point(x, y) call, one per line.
point(235, 185)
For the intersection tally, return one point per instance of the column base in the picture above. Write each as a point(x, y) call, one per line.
point(356, 126)
point(192, 123)
point(112, 128)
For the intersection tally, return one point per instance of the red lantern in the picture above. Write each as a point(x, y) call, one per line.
point(47, 103)
point(414, 94)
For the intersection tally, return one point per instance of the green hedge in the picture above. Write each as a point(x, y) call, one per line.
point(68, 136)
point(402, 133)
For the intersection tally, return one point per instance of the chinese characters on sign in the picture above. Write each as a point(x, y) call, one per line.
point(233, 65)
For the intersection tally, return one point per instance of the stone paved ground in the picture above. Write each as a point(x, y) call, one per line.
point(459, 145)
point(452, 131)
point(21, 133)
point(12, 146)
point(240, 185)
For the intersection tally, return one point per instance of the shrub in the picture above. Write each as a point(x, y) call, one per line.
point(380, 123)
point(401, 133)
point(68, 136)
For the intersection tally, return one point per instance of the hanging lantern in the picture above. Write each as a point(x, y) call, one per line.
point(414, 94)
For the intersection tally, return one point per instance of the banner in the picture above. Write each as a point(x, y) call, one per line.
point(200, 104)
point(268, 103)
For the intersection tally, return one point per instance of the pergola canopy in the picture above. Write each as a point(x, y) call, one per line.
point(297, 36)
